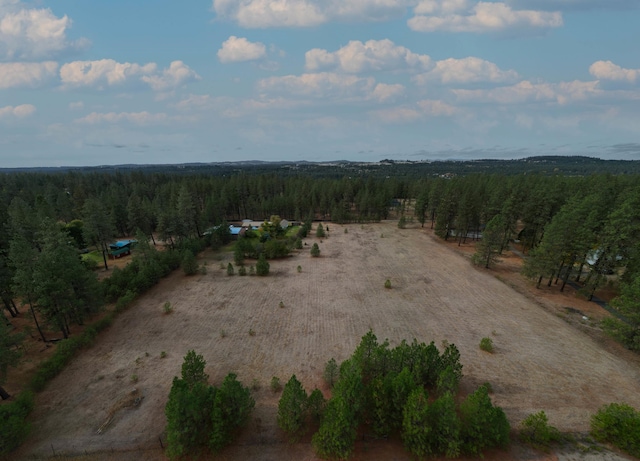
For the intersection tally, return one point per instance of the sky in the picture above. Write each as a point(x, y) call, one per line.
point(151, 82)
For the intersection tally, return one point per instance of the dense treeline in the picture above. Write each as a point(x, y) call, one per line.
point(581, 230)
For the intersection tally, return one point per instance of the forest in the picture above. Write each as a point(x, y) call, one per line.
point(575, 219)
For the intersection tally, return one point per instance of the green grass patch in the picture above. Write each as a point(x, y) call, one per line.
point(94, 255)
point(292, 231)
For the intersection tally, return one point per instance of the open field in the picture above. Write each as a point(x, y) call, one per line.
point(541, 362)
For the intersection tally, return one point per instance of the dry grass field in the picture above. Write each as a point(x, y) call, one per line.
point(541, 361)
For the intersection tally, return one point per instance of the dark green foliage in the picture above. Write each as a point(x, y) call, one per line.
point(490, 246)
point(315, 250)
point(483, 425)
point(628, 304)
point(200, 416)
point(232, 405)
point(193, 369)
point(188, 413)
point(316, 404)
point(337, 433)
point(262, 266)
point(189, 263)
point(9, 352)
point(298, 244)
point(292, 409)
point(402, 222)
point(320, 233)
point(230, 270)
point(242, 271)
point(14, 426)
point(351, 387)
point(402, 385)
point(331, 372)
point(536, 431)
point(445, 426)
point(416, 428)
point(618, 424)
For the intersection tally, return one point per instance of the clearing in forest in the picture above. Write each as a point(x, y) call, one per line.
point(540, 361)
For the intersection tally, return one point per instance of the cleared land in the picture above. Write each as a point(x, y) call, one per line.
point(541, 362)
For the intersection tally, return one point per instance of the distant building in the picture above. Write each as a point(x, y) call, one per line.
point(121, 248)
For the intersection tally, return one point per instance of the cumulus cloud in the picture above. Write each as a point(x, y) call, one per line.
point(525, 91)
point(176, 75)
point(480, 17)
point(21, 111)
point(238, 49)
point(306, 13)
point(27, 34)
point(26, 74)
point(384, 92)
point(606, 70)
point(466, 70)
point(373, 55)
point(107, 73)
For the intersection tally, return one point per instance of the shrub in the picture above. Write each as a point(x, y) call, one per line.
point(618, 424)
point(229, 269)
point(275, 384)
point(320, 231)
point(299, 269)
point(298, 244)
point(315, 250)
point(251, 332)
point(252, 270)
point(346, 231)
point(387, 284)
point(167, 308)
point(163, 354)
point(189, 263)
point(14, 426)
point(486, 344)
point(281, 304)
point(262, 266)
point(242, 271)
point(537, 432)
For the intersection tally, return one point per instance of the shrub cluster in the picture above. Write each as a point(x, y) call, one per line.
point(14, 426)
point(296, 408)
point(387, 390)
point(618, 424)
point(202, 417)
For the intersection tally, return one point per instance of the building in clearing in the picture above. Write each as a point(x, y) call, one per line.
point(121, 248)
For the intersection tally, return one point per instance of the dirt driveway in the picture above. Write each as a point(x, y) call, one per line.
point(541, 362)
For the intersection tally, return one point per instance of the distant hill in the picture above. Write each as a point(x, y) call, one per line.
point(545, 165)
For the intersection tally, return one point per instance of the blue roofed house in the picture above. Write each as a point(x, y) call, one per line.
point(121, 248)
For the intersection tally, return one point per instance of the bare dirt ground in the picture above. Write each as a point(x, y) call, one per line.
point(545, 359)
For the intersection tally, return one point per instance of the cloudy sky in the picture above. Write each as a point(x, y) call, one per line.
point(121, 81)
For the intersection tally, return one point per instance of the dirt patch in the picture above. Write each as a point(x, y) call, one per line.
point(541, 361)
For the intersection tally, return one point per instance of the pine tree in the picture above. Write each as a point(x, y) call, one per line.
point(292, 409)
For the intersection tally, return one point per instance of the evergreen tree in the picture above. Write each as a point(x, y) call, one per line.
point(292, 409)
point(315, 250)
point(490, 246)
point(262, 266)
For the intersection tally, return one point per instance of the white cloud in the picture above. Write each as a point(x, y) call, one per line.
point(466, 70)
point(236, 49)
point(33, 33)
point(176, 75)
point(77, 105)
point(107, 73)
point(483, 17)
point(26, 74)
point(384, 92)
point(373, 55)
point(319, 85)
point(422, 109)
point(606, 70)
point(576, 4)
point(307, 13)
point(525, 91)
point(137, 118)
point(21, 111)
point(104, 72)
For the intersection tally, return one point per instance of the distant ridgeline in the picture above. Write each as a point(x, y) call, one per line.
point(546, 165)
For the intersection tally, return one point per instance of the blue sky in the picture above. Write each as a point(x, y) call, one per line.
point(97, 82)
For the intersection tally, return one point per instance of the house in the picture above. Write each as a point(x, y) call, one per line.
point(121, 248)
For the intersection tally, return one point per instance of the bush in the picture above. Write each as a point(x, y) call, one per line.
point(320, 231)
point(275, 384)
point(387, 284)
point(262, 266)
point(167, 308)
point(242, 271)
point(315, 250)
point(229, 269)
point(299, 269)
point(189, 263)
point(14, 426)
point(486, 344)
point(618, 424)
point(537, 432)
